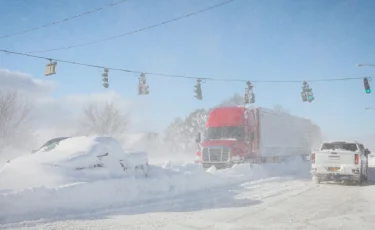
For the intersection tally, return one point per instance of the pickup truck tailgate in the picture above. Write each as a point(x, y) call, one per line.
point(334, 158)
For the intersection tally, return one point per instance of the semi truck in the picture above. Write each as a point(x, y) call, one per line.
point(238, 134)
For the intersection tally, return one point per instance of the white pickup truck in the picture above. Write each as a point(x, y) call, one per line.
point(340, 160)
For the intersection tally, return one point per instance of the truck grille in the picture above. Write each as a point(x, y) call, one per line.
point(215, 154)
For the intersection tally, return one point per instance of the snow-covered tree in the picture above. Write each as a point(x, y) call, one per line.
point(174, 134)
point(181, 133)
point(105, 119)
point(194, 124)
point(15, 116)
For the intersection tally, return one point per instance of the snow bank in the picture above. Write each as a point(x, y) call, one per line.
point(163, 182)
point(10, 154)
point(38, 202)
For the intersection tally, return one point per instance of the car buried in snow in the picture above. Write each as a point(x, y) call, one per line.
point(87, 153)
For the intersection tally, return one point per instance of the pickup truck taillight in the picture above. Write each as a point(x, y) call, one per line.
point(313, 158)
point(356, 158)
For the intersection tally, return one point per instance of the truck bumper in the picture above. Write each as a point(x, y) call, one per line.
point(217, 165)
point(337, 176)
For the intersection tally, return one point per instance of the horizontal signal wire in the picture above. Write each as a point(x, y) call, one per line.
point(176, 76)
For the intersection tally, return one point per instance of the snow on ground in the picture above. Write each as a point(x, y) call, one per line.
point(10, 154)
point(33, 203)
point(270, 203)
point(167, 181)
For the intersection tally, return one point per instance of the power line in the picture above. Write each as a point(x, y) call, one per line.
point(176, 76)
point(135, 31)
point(63, 20)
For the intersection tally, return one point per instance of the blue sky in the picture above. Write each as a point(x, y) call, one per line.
point(249, 39)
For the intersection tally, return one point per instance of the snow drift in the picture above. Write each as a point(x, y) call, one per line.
point(58, 164)
point(164, 182)
point(38, 202)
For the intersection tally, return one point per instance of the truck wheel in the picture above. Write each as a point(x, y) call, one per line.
point(145, 171)
point(141, 171)
point(316, 180)
point(365, 177)
point(360, 180)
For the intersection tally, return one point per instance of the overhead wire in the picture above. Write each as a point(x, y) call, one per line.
point(63, 20)
point(177, 76)
point(137, 30)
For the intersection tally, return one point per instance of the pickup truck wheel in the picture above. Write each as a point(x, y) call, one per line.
point(360, 180)
point(365, 177)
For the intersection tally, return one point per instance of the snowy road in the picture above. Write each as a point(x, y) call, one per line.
point(272, 203)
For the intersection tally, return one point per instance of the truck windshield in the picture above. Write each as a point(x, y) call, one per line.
point(340, 145)
point(227, 132)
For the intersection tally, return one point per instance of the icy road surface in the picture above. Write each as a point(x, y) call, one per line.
point(272, 203)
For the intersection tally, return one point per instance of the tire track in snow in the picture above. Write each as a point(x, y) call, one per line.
point(302, 188)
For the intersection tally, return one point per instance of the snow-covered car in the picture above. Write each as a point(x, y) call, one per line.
point(85, 158)
point(340, 160)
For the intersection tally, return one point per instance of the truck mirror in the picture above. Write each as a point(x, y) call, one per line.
point(198, 139)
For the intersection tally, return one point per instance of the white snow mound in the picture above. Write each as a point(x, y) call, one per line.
point(162, 183)
point(56, 165)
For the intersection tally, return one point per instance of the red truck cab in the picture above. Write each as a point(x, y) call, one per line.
point(230, 137)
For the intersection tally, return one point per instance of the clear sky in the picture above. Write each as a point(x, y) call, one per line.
point(249, 39)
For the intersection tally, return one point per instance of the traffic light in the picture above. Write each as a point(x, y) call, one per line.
point(105, 78)
point(366, 85)
point(310, 95)
point(146, 90)
point(252, 100)
point(143, 88)
point(51, 68)
point(247, 99)
point(307, 94)
point(249, 94)
point(198, 90)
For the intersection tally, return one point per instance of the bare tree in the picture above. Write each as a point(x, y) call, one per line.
point(14, 119)
point(280, 109)
point(104, 120)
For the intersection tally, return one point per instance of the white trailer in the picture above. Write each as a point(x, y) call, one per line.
point(282, 135)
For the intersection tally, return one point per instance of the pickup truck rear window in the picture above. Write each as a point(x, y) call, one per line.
point(340, 146)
